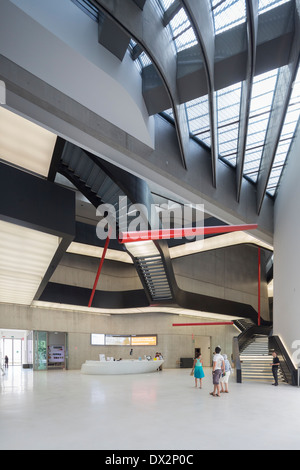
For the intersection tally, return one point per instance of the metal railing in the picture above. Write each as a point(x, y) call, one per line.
point(288, 369)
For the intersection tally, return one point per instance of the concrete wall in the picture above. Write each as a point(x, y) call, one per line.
point(173, 342)
point(287, 254)
point(228, 273)
point(77, 270)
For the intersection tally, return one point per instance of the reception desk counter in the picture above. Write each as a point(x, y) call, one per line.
point(120, 367)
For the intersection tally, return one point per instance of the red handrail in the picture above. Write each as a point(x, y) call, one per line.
point(167, 234)
point(100, 268)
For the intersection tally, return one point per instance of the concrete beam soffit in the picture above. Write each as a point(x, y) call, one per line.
point(112, 37)
point(252, 29)
point(147, 30)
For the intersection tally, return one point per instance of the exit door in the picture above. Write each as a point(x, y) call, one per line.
point(203, 345)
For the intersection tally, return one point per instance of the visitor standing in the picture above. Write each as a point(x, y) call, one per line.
point(225, 378)
point(218, 369)
point(198, 370)
point(275, 366)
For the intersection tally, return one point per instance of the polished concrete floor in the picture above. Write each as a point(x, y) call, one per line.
point(65, 410)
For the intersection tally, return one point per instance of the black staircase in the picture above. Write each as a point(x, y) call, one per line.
point(102, 183)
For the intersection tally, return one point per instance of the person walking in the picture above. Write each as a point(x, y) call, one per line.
point(198, 370)
point(6, 362)
point(218, 368)
point(1, 364)
point(225, 378)
point(275, 366)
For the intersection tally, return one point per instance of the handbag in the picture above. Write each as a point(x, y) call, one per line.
point(192, 372)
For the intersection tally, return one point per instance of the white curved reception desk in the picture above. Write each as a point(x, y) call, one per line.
point(120, 367)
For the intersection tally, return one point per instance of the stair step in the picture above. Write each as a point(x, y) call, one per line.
point(256, 361)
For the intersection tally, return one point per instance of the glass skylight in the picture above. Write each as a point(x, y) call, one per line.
point(142, 60)
point(166, 4)
point(182, 31)
point(261, 105)
point(198, 119)
point(266, 5)
point(287, 135)
point(228, 106)
point(227, 14)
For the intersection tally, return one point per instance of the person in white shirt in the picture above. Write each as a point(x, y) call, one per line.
point(225, 378)
point(218, 370)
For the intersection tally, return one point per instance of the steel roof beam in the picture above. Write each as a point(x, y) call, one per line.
point(201, 19)
point(284, 87)
point(252, 28)
point(146, 28)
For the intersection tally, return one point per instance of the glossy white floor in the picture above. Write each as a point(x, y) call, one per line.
point(161, 410)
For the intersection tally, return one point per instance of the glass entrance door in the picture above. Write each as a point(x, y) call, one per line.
point(12, 348)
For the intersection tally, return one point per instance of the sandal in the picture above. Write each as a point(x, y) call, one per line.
point(212, 394)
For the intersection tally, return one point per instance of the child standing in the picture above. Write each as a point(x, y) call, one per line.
point(198, 370)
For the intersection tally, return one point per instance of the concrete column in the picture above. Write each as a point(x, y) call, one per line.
point(287, 254)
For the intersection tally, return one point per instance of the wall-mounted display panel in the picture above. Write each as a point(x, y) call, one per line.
point(97, 339)
point(144, 340)
point(116, 340)
point(100, 339)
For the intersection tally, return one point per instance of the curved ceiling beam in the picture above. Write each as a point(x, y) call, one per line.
point(146, 28)
point(201, 19)
point(272, 51)
point(284, 88)
point(252, 27)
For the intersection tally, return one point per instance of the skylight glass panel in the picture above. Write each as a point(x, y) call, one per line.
point(228, 109)
point(261, 104)
point(182, 31)
point(169, 112)
point(198, 119)
point(287, 135)
point(166, 4)
point(142, 60)
point(227, 14)
point(266, 5)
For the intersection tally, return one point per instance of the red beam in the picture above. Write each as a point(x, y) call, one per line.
point(167, 234)
point(204, 324)
point(100, 268)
